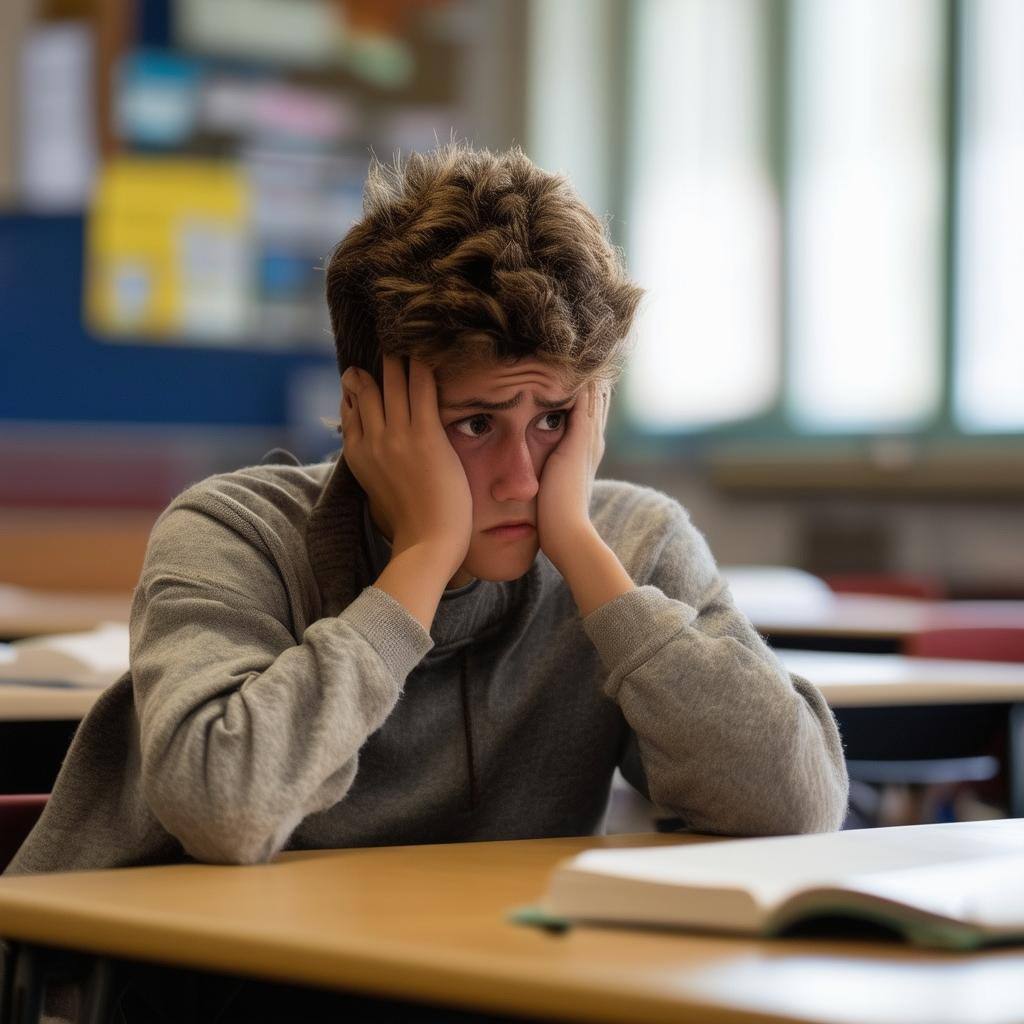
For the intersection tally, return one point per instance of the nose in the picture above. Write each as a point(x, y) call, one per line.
point(516, 473)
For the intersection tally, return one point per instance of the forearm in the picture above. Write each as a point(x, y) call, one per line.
point(243, 731)
point(728, 740)
point(593, 573)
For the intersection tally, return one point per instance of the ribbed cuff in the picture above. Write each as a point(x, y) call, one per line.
point(630, 628)
point(389, 629)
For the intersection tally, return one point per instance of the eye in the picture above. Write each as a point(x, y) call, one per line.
point(544, 423)
point(467, 426)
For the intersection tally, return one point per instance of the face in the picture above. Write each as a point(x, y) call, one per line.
point(503, 421)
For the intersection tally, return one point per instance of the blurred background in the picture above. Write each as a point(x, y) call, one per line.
point(824, 199)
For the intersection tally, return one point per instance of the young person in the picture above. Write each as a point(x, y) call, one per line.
point(452, 631)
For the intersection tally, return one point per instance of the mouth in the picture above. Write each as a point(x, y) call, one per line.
point(511, 530)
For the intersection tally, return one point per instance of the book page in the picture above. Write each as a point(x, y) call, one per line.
point(94, 658)
point(986, 892)
point(773, 868)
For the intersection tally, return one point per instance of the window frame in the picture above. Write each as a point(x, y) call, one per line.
point(879, 459)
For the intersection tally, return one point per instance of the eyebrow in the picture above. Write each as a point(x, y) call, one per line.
point(511, 403)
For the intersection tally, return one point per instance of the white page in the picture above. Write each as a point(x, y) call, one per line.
point(93, 658)
point(773, 868)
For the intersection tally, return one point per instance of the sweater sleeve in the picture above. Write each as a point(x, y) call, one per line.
point(728, 739)
point(245, 729)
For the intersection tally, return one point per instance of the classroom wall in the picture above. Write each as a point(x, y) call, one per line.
point(97, 434)
point(974, 545)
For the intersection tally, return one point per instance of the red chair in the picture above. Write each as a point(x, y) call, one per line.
point(18, 814)
point(974, 643)
point(888, 585)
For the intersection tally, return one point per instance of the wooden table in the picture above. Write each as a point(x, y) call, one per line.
point(25, 612)
point(24, 703)
point(939, 702)
point(428, 924)
point(849, 679)
point(867, 618)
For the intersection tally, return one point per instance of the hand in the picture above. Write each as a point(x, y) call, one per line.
point(397, 449)
point(567, 481)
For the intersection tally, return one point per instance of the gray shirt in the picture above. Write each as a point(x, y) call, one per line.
point(277, 699)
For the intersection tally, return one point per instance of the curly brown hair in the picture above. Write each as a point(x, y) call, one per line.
point(465, 256)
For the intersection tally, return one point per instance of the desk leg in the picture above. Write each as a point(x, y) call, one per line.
point(26, 1005)
point(28, 969)
point(98, 991)
point(1015, 760)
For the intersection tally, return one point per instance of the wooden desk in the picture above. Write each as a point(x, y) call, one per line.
point(866, 617)
point(932, 697)
point(19, 703)
point(848, 679)
point(428, 924)
point(25, 612)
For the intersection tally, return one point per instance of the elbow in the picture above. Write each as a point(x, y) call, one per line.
point(232, 841)
point(211, 830)
point(814, 802)
point(788, 803)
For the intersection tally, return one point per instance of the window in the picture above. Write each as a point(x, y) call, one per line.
point(703, 215)
point(989, 354)
point(866, 199)
point(825, 201)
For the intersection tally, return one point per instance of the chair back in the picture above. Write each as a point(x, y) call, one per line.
point(18, 814)
point(974, 643)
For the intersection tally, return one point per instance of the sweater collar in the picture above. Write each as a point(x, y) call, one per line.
point(347, 553)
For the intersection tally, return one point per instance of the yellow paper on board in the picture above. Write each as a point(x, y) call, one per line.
point(166, 249)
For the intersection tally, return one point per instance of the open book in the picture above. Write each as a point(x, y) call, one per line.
point(95, 658)
point(953, 886)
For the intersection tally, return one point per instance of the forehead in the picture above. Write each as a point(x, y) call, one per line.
point(502, 381)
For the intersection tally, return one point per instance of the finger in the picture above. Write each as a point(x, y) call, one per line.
point(423, 402)
point(396, 392)
point(351, 425)
point(368, 403)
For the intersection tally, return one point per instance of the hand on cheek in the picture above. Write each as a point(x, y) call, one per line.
point(396, 447)
point(567, 480)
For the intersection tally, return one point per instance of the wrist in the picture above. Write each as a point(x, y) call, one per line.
point(433, 557)
point(594, 573)
point(576, 549)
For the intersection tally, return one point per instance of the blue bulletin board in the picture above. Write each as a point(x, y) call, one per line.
point(53, 369)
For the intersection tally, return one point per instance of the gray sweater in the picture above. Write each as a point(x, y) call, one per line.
point(276, 699)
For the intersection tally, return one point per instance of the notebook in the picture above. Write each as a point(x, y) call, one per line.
point(951, 886)
point(94, 658)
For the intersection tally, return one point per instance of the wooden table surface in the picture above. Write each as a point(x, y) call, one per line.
point(872, 617)
point(32, 703)
point(429, 923)
point(26, 612)
point(875, 680)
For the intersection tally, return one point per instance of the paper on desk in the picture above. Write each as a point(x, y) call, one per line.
point(94, 658)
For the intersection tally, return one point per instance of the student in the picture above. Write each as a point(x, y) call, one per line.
point(450, 632)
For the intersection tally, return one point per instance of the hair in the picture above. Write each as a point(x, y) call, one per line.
point(464, 256)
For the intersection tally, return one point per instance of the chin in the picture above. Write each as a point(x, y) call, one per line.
point(501, 569)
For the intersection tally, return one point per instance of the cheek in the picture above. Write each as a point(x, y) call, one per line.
point(542, 449)
point(475, 469)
